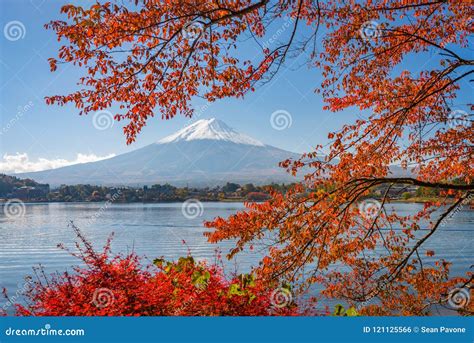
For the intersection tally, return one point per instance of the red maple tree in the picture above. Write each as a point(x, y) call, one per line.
point(162, 54)
point(108, 285)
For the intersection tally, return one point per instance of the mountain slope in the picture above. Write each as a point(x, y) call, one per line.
point(211, 129)
point(205, 153)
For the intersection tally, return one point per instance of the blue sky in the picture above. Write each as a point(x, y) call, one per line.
point(52, 132)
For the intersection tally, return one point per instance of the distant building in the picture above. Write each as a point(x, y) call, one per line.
point(30, 192)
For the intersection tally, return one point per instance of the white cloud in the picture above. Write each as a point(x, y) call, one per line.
point(20, 163)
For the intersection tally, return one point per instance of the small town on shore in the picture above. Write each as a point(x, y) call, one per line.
point(28, 190)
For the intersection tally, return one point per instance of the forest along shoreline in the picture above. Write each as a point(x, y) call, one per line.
point(30, 191)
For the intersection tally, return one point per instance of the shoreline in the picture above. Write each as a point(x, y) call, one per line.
point(2, 201)
point(230, 200)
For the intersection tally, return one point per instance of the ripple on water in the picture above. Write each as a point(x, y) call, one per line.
point(153, 230)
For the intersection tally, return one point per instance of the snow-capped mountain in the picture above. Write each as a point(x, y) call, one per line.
point(205, 153)
point(212, 129)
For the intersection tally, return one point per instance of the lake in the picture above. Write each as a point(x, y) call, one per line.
point(154, 230)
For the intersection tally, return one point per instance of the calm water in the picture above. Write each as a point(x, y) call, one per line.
point(154, 230)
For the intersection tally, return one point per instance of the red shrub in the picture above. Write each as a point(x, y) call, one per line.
point(120, 286)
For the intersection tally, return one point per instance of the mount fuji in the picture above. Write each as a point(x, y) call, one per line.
point(205, 153)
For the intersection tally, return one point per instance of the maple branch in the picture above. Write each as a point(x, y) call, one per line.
point(440, 220)
point(415, 182)
point(240, 13)
point(396, 8)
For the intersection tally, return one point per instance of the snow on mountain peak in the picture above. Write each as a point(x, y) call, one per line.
point(213, 129)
